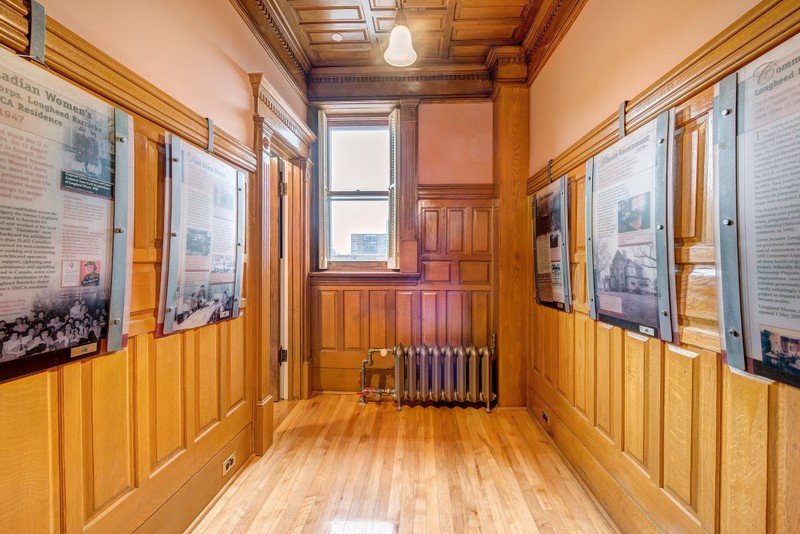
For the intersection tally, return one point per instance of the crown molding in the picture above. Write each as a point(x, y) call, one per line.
point(386, 82)
point(268, 24)
point(288, 129)
point(552, 22)
point(507, 64)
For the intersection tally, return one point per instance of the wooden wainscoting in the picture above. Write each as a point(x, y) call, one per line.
point(451, 302)
point(665, 434)
point(99, 445)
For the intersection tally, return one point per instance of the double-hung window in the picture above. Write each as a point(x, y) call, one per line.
point(358, 193)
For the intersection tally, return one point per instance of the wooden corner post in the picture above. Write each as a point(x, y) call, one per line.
point(511, 104)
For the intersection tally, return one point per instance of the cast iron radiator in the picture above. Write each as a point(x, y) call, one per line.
point(450, 374)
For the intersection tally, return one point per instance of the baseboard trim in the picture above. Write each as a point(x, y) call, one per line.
point(193, 500)
point(264, 425)
point(614, 502)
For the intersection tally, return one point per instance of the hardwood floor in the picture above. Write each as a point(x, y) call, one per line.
point(337, 467)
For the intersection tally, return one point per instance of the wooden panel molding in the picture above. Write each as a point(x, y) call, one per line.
point(450, 303)
point(106, 442)
point(456, 191)
point(692, 444)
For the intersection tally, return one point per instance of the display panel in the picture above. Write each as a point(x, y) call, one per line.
point(204, 252)
point(551, 246)
point(627, 250)
point(64, 188)
point(758, 115)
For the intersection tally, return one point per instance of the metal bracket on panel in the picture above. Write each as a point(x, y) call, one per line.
point(663, 123)
point(37, 32)
point(119, 258)
point(210, 144)
point(725, 119)
point(282, 189)
point(622, 118)
point(565, 245)
point(283, 356)
point(589, 232)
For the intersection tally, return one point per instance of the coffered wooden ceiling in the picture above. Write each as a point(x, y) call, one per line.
point(333, 47)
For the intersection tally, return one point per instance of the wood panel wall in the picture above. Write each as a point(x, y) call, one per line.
point(133, 439)
point(665, 434)
point(100, 445)
point(450, 303)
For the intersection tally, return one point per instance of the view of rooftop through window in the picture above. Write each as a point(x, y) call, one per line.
point(359, 194)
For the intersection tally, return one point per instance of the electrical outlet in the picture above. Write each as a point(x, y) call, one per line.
point(228, 464)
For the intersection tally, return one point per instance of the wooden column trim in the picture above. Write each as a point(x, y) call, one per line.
point(299, 265)
point(511, 100)
point(291, 139)
point(307, 170)
point(262, 264)
point(408, 184)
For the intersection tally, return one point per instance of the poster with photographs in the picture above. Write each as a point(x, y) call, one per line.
point(627, 253)
point(63, 190)
point(758, 113)
point(205, 221)
point(551, 246)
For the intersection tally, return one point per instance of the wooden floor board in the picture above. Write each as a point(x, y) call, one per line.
point(338, 467)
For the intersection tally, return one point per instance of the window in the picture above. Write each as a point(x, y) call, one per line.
point(357, 191)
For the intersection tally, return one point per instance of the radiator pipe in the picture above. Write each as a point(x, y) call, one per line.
point(368, 361)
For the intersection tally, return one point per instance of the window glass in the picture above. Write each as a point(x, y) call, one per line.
point(359, 230)
point(359, 159)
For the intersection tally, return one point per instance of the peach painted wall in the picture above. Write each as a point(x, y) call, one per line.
point(614, 51)
point(197, 51)
point(455, 143)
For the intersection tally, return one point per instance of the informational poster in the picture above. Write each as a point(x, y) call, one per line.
point(551, 246)
point(759, 115)
point(627, 252)
point(63, 215)
point(205, 252)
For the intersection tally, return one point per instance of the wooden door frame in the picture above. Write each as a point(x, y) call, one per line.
point(279, 131)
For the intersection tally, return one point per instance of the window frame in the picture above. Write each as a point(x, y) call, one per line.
point(328, 122)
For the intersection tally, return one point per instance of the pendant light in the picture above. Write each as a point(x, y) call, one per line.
point(400, 52)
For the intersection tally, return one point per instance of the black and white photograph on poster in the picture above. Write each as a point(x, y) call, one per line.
point(764, 240)
point(626, 183)
point(57, 218)
point(551, 260)
point(781, 349)
point(203, 263)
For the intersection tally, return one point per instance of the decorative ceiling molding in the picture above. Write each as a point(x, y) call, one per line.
point(442, 81)
point(507, 64)
point(464, 47)
point(270, 32)
point(553, 20)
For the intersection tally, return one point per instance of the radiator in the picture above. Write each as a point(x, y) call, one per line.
point(450, 374)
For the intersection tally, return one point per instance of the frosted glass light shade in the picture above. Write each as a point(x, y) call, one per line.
point(400, 51)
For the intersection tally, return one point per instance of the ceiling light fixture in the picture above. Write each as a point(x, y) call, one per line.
point(400, 52)
point(337, 37)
